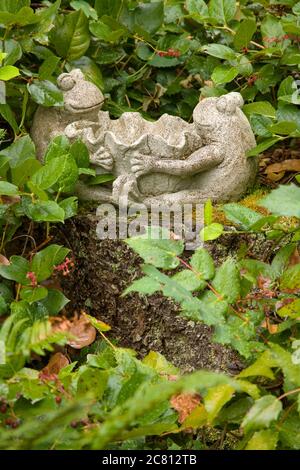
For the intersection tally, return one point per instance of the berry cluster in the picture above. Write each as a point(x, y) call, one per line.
point(65, 266)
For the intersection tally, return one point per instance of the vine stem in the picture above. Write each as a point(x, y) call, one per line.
point(291, 392)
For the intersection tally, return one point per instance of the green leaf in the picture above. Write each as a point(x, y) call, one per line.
point(85, 7)
point(25, 16)
point(8, 189)
point(108, 7)
point(33, 294)
point(145, 285)
point(211, 232)
point(43, 211)
point(71, 36)
point(291, 310)
point(208, 212)
point(220, 51)
point(289, 432)
point(290, 279)
point(260, 148)
point(271, 28)
point(46, 93)
point(161, 252)
point(91, 381)
point(263, 108)
point(283, 127)
point(100, 179)
point(244, 33)
point(227, 281)
point(284, 200)
point(16, 270)
point(197, 8)
point(145, 17)
point(158, 362)
point(260, 125)
point(44, 261)
point(58, 147)
point(21, 174)
point(241, 215)
point(262, 413)
point(61, 173)
point(189, 280)
point(7, 114)
point(80, 153)
point(55, 301)
point(281, 259)
point(203, 264)
point(18, 152)
point(48, 67)
point(13, 7)
point(8, 72)
point(70, 206)
point(224, 74)
point(261, 367)
point(102, 31)
point(222, 10)
point(263, 440)
point(216, 398)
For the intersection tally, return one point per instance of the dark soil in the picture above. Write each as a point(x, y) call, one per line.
point(104, 268)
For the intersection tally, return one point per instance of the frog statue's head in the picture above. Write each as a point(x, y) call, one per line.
point(80, 96)
point(216, 118)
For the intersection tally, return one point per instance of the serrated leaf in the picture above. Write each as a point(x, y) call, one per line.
point(227, 281)
point(241, 215)
point(162, 253)
point(284, 200)
point(202, 263)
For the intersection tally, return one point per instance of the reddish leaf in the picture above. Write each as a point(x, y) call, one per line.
point(57, 362)
point(184, 404)
point(4, 261)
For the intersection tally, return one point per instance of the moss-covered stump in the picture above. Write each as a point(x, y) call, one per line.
point(104, 268)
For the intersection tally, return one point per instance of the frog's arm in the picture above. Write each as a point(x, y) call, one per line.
point(203, 159)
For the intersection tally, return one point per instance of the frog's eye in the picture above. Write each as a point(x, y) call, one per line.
point(65, 82)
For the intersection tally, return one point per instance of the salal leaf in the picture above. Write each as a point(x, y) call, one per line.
point(222, 10)
point(263, 413)
point(71, 36)
point(263, 440)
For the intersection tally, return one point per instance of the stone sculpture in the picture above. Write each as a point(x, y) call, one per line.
point(164, 162)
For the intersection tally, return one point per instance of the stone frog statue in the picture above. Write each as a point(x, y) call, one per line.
point(219, 169)
point(82, 100)
point(170, 161)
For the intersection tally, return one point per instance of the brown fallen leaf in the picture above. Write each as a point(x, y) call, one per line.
point(295, 258)
point(79, 327)
point(4, 261)
point(57, 362)
point(271, 327)
point(10, 199)
point(276, 171)
point(184, 404)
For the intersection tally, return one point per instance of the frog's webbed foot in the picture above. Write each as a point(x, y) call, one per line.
point(125, 189)
point(102, 158)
